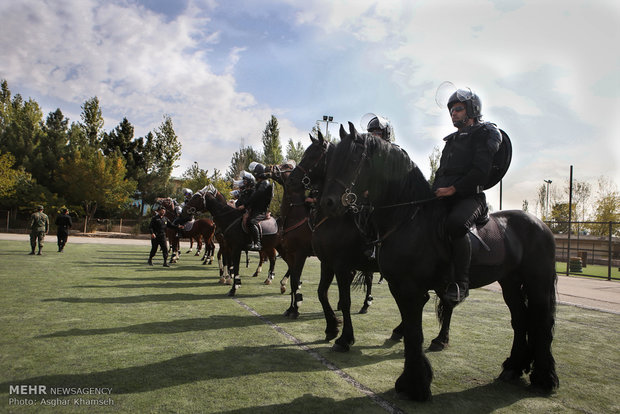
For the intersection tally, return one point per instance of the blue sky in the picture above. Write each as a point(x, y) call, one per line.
point(548, 72)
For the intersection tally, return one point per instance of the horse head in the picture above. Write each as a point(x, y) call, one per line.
point(310, 171)
point(194, 205)
point(345, 176)
point(280, 172)
point(366, 170)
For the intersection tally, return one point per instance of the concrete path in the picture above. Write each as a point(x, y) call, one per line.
point(585, 292)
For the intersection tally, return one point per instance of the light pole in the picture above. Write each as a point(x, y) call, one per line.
point(547, 208)
point(327, 119)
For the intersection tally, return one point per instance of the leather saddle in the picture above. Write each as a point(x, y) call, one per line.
point(487, 242)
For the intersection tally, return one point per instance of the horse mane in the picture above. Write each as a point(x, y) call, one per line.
point(400, 178)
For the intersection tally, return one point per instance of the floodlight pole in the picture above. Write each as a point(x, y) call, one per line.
point(327, 119)
point(547, 207)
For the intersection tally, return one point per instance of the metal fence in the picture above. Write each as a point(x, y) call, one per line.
point(589, 248)
point(114, 225)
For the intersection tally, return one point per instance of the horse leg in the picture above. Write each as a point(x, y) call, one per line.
point(236, 282)
point(261, 259)
point(284, 281)
point(191, 245)
point(332, 322)
point(444, 315)
point(295, 269)
point(541, 305)
point(347, 338)
point(520, 358)
point(415, 381)
point(368, 299)
point(198, 244)
point(272, 265)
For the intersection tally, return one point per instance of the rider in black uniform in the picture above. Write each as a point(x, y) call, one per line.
point(463, 171)
point(258, 203)
point(158, 226)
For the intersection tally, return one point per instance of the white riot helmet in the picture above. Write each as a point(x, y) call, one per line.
point(187, 192)
point(377, 125)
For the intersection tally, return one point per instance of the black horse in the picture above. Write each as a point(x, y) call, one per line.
point(236, 239)
point(414, 256)
point(335, 241)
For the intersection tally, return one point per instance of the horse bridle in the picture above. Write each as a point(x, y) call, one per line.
point(349, 198)
point(305, 180)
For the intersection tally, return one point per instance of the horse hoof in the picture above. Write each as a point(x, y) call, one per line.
point(255, 274)
point(228, 282)
point(331, 335)
point(509, 375)
point(396, 337)
point(282, 289)
point(364, 310)
point(267, 281)
point(340, 348)
point(436, 346)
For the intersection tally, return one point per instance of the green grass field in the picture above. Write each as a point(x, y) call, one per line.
point(171, 341)
point(597, 271)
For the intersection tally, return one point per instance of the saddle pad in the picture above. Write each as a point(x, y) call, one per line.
point(188, 226)
point(493, 236)
point(269, 226)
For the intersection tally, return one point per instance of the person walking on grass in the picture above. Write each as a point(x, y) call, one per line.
point(39, 226)
point(158, 226)
point(63, 224)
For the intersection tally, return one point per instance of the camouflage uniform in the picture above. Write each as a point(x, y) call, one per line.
point(39, 225)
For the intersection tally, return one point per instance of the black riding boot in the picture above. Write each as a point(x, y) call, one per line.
point(458, 290)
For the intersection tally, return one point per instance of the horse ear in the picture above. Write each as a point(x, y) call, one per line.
point(314, 140)
point(343, 133)
point(352, 129)
point(320, 135)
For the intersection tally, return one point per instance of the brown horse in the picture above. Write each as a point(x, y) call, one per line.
point(200, 230)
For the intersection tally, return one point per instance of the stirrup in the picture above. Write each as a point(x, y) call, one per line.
point(456, 295)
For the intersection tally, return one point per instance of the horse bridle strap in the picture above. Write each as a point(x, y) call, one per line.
point(296, 225)
point(410, 203)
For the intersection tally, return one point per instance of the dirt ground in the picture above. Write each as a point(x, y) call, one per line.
point(585, 292)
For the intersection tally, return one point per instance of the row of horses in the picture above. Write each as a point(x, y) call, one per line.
point(371, 197)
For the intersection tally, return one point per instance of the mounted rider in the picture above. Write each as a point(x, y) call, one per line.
point(463, 173)
point(378, 126)
point(258, 203)
point(245, 187)
point(178, 222)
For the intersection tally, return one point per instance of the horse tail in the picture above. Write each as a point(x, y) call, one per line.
point(440, 310)
point(361, 280)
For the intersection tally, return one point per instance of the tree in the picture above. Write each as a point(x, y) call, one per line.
point(240, 161)
point(167, 148)
point(20, 127)
point(121, 141)
point(525, 206)
point(559, 214)
point(607, 207)
point(52, 147)
point(8, 176)
point(272, 150)
point(581, 195)
point(92, 122)
point(93, 180)
point(294, 151)
point(433, 160)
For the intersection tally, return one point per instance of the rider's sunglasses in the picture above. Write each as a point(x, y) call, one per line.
point(457, 108)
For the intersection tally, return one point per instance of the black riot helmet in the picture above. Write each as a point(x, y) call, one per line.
point(473, 104)
point(258, 169)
